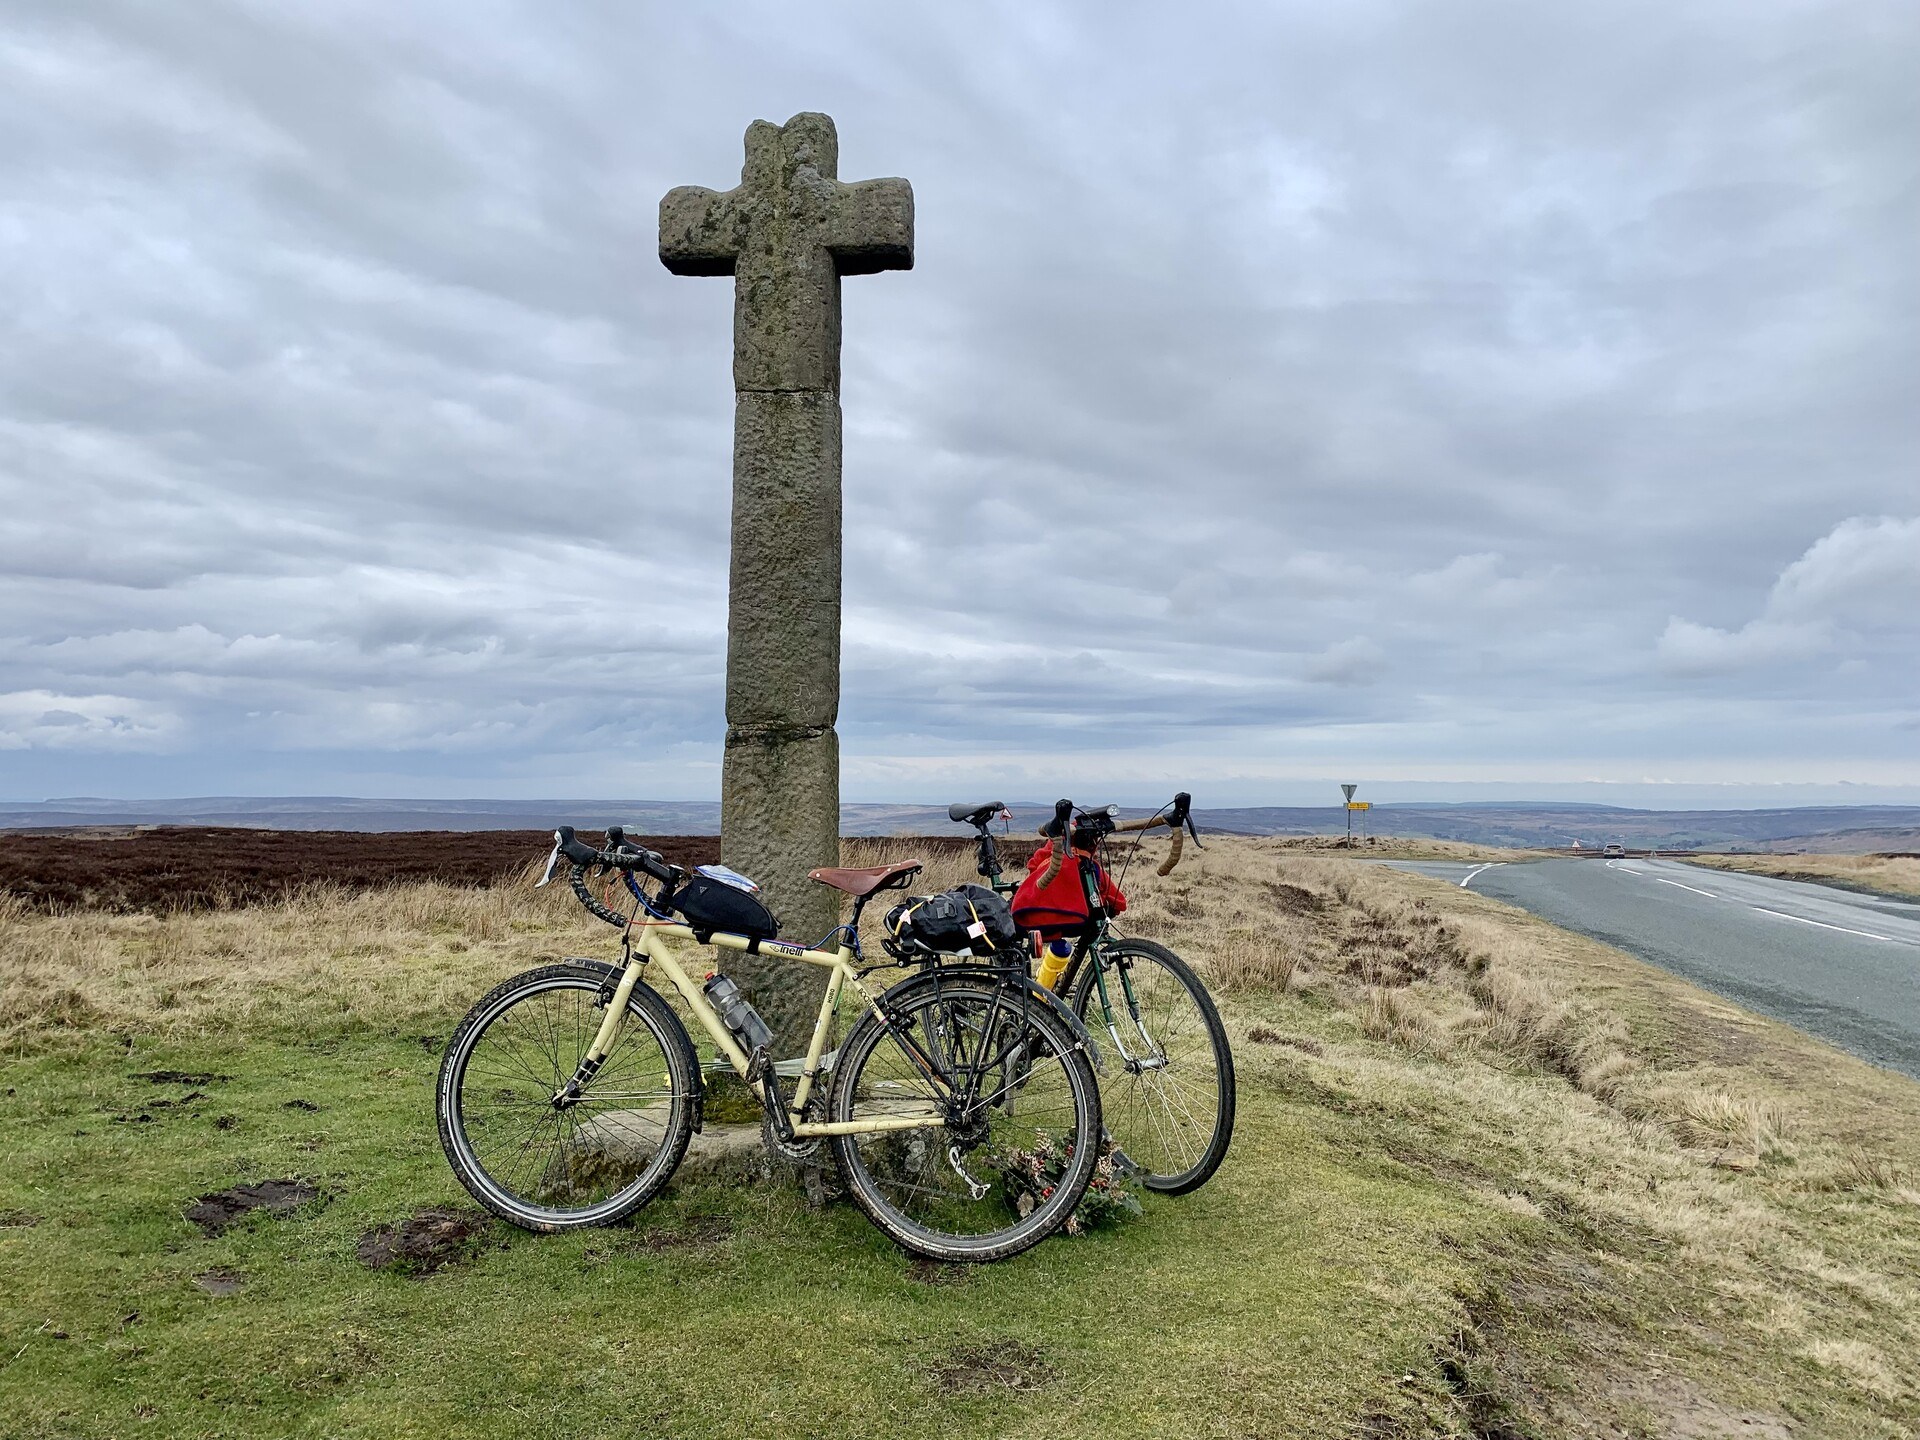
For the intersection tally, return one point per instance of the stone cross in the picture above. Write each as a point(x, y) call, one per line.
point(786, 233)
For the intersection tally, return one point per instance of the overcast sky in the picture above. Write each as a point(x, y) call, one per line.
point(1464, 399)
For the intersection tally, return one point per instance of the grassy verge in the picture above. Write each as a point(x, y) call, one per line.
point(1895, 875)
point(1490, 1179)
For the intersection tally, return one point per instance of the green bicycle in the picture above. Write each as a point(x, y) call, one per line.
point(1170, 1107)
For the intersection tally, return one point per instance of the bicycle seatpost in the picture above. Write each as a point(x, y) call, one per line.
point(986, 854)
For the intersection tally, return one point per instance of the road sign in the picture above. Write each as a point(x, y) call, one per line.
point(1347, 790)
point(1359, 804)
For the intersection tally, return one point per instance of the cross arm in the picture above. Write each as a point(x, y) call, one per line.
point(870, 227)
point(699, 231)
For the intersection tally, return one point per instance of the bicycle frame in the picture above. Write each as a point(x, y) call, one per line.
point(1087, 947)
point(651, 946)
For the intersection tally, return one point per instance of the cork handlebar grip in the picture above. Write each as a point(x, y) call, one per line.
point(1173, 853)
point(1058, 830)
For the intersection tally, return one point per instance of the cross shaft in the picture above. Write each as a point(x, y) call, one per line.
point(786, 233)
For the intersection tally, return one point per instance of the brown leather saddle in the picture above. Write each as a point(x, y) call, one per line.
point(858, 883)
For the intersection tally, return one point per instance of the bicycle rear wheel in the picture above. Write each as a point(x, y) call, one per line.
point(1018, 1107)
point(1169, 1105)
point(549, 1167)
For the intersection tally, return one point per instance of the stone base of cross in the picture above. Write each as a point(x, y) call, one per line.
point(786, 233)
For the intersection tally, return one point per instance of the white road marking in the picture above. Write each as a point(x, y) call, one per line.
point(1490, 865)
point(1868, 934)
point(1763, 910)
point(1708, 893)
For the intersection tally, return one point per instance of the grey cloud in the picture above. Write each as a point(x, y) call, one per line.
point(349, 419)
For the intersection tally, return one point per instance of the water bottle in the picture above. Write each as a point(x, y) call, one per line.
point(736, 1014)
point(1053, 961)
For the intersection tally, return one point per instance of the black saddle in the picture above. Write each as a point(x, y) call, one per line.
point(974, 814)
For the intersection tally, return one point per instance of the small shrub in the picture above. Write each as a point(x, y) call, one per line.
point(1031, 1175)
point(1245, 960)
point(1394, 1016)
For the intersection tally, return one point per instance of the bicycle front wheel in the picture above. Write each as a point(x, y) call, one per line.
point(1013, 1127)
point(1169, 1093)
point(590, 1161)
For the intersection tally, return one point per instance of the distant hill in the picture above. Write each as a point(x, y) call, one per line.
point(1840, 829)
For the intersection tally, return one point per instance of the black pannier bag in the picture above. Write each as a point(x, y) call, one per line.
point(970, 920)
point(710, 903)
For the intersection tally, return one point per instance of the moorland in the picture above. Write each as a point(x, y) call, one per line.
point(1490, 1179)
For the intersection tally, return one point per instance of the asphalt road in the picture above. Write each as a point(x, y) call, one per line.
point(1843, 966)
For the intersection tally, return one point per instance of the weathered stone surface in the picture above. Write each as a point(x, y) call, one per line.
point(787, 233)
point(765, 833)
point(783, 614)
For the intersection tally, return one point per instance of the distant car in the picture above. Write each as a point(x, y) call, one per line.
point(1614, 850)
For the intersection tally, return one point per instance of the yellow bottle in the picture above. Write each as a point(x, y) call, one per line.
point(1053, 961)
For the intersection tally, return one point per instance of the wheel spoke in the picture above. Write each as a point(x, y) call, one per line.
point(1027, 1103)
point(1171, 1120)
point(541, 1163)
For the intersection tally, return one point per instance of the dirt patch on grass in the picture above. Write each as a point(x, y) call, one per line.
point(1681, 1410)
point(221, 1283)
point(1294, 899)
point(923, 1271)
point(221, 1209)
point(179, 1077)
point(144, 1115)
point(1266, 1035)
point(991, 1367)
point(426, 1241)
point(695, 1232)
point(18, 1219)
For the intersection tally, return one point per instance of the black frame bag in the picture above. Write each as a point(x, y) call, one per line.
point(710, 905)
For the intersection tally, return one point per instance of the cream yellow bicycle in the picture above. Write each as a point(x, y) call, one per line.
point(568, 1094)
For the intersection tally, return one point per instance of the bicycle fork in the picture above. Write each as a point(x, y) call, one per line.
point(614, 995)
point(1155, 1058)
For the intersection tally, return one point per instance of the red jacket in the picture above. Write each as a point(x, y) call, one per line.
point(1061, 906)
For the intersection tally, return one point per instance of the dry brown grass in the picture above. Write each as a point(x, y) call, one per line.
point(1742, 1170)
point(1395, 847)
point(947, 865)
point(324, 958)
point(1774, 1175)
point(1877, 874)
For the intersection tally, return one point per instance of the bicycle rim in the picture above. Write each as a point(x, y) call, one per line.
point(556, 1168)
point(1171, 1123)
point(1002, 1176)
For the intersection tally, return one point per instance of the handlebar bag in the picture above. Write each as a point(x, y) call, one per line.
point(709, 904)
point(970, 920)
point(1061, 908)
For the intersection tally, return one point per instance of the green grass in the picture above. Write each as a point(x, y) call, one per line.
point(1489, 1180)
point(1298, 1286)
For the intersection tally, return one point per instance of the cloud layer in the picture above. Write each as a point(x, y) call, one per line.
point(1495, 393)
